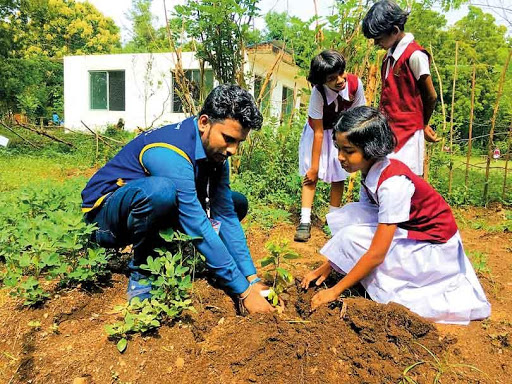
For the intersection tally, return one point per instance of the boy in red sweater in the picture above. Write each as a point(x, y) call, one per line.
point(408, 96)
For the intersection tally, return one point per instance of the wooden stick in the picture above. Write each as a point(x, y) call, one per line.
point(450, 174)
point(42, 133)
point(17, 134)
point(443, 107)
point(493, 124)
point(509, 148)
point(179, 73)
point(471, 113)
point(101, 137)
point(269, 75)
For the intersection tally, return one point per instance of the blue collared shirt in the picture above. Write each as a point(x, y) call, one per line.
point(227, 254)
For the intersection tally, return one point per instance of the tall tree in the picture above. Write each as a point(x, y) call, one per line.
point(54, 28)
point(222, 29)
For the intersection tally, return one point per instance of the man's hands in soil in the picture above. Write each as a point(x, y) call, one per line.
point(255, 302)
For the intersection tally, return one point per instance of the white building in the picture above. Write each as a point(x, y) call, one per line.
point(139, 88)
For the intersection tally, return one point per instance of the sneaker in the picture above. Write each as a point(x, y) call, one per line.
point(135, 286)
point(303, 232)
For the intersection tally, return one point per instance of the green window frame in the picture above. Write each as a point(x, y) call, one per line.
point(107, 90)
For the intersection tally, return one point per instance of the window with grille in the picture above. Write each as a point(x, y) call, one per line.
point(107, 90)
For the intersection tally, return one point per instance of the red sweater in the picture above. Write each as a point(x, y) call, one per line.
point(330, 115)
point(430, 218)
point(400, 97)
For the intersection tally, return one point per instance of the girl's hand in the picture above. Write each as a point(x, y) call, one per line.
point(320, 273)
point(311, 177)
point(430, 134)
point(323, 297)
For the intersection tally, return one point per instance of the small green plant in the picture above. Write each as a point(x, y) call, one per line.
point(479, 261)
point(170, 275)
point(280, 277)
point(440, 368)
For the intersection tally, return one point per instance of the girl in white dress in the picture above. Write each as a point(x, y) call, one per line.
point(333, 91)
point(401, 240)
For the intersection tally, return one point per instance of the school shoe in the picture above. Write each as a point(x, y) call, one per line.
point(303, 232)
point(138, 284)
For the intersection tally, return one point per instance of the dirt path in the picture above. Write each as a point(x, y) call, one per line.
point(370, 343)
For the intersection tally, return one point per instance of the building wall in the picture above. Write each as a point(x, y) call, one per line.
point(148, 87)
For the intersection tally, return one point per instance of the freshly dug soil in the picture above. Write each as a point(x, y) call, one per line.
point(354, 341)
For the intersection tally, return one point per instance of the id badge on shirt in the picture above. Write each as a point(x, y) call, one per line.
point(216, 225)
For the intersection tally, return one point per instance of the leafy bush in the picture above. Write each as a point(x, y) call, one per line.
point(44, 236)
point(170, 276)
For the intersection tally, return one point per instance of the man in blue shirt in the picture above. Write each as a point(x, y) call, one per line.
point(178, 176)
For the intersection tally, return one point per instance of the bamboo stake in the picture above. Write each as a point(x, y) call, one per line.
point(443, 107)
point(450, 175)
point(471, 113)
point(17, 134)
point(269, 75)
point(493, 124)
point(509, 147)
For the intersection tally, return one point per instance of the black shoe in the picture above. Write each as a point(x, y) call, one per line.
point(303, 232)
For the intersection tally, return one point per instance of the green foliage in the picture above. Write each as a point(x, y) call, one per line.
point(44, 237)
point(280, 254)
point(479, 262)
point(222, 29)
point(266, 171)
point(170, 276)
point(31, 86)
point(55, 28)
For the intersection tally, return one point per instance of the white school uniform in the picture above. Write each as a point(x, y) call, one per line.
point(329, 169)
point(413, 151)
point(436, 281)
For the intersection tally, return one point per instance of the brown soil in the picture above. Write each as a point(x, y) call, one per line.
point(358, 341)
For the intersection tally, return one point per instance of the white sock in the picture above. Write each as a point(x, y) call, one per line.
point(305, 215)
point(332, 208)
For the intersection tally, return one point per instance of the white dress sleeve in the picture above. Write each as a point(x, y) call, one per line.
point(419, 64)
point(395, 200)
point(316, 105)
point(359, 98)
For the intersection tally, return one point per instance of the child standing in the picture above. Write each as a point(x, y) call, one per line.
point(333, 91)
point(401, 240)
point(408, 96)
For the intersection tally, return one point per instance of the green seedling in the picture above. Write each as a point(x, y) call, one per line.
point(281, 278)
point(170, 275)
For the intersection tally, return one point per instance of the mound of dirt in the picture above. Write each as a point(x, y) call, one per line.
point(362, 342)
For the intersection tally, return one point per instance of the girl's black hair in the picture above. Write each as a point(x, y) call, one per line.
point(229, 101)
point(368, 129)
point(382, 17)
point(324, 64)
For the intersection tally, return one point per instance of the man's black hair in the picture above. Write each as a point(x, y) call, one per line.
point(368, 129)
point(382, 17)
point(325, 64)
point(229, 101)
